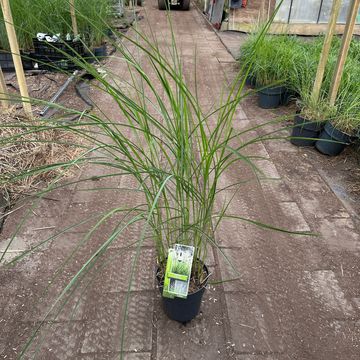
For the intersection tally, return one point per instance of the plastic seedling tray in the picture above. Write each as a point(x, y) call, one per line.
point(57, 49)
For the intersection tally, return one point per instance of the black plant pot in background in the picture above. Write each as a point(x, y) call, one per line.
point(335, 143)
point(305, 129)
point(250, 81)
point(100, 52)
point(27, 60)
point(109, 32)
point(7, 64)
point(270, 98)
point(287, 96)
point(183, 310)
point(6, 61)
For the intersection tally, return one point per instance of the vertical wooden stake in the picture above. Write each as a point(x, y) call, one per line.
point(346, 40)
point(326, 50)
point(4, 93)
point(14, 46)
point(73, 18)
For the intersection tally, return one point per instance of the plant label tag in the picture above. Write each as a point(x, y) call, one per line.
point(178, 271)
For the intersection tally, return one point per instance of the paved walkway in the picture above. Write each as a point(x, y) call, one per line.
point(297, 298)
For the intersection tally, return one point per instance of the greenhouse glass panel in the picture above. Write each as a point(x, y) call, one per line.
point(308, 13)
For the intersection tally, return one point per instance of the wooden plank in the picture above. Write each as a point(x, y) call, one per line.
point(294, 29)
point(325, 50)
point(346, 40)
point(14, 46)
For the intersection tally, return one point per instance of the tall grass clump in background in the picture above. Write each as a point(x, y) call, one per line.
point(93, 20)
point(301, 81)
point(347, 106)
point(246, 56)
point(345, 113)
point(34, 16)
point(354, 51)
point(292, 61)
point(274, 61)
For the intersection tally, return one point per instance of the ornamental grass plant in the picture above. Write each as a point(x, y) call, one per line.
point(175, 150)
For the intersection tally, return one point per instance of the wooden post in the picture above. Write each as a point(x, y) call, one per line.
point(4, 93)
point(326, 50)
point(346, 40)
point(14, 46)
point(73, 18)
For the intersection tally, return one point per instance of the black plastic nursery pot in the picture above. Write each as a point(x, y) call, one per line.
point(6, 61)
point(250, 81)
point(183, 310)
point(305, 129)
point(100, 52)
point(332, 141)
point(270, 98)
point(27, 60)
point(7, 64)
point(109, 32)
point(286, 97)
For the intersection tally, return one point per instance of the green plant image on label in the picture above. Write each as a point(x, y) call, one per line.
point(180, 267)
point(178, 271)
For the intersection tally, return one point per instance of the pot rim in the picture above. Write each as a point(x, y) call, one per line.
point(300, 115)
point(272, 90)
point(329, 123)
point(304, 122)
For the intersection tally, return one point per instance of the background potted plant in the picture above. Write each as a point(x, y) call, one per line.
point(268, 71)
point(345, 123)
point(309, 120)
point(311, 114)
point(271, 66)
